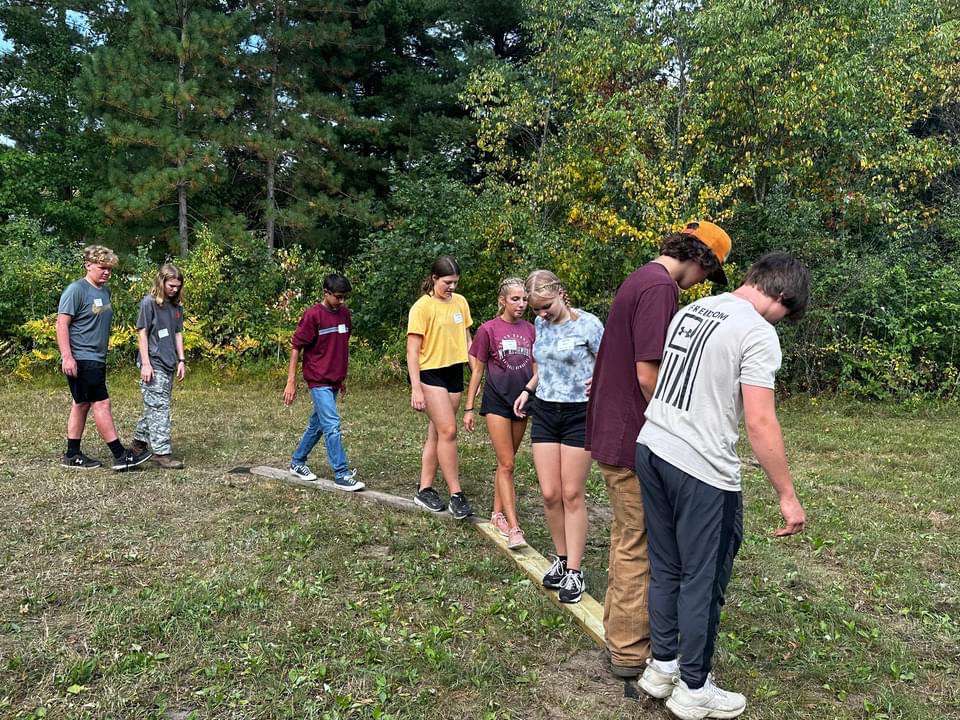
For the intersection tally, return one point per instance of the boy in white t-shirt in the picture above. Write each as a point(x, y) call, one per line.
point(719, 363)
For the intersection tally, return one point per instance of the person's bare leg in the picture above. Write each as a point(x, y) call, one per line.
point(574, 466)
point(546, 458)
point(502, 438)
point(441, 409)
point(428, 459)
point(103, 417)
point(77, 420)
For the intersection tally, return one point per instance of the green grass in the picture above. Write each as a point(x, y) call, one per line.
point(200, 593)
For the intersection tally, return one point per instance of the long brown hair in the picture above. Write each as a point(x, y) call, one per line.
point(167, 271)
point(443, 265)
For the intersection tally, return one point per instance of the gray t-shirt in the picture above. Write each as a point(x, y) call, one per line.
point(714, 346)
point(162, 323)
point(565, 356)
point(92, 313)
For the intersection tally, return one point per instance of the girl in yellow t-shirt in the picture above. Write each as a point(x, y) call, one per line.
point(438, 335)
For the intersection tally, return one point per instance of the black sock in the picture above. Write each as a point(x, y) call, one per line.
point(563, 559)
point(73, 447)
point(117, 448)
point(457, 494)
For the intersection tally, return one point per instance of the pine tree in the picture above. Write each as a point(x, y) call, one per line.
point(164, 93)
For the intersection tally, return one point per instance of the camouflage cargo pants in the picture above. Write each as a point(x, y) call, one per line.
point(154, 425)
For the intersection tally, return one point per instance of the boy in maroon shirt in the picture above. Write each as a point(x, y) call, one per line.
point(623, 381)
point(323, 338)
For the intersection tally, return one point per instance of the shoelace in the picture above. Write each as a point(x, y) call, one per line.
point(556, 566)
point(572, 581)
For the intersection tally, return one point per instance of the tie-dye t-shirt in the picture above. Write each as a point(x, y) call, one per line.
point(565, 355)
point(507, 350)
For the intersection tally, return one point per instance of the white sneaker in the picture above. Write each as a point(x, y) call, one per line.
point(656, 683)
point(706, 702)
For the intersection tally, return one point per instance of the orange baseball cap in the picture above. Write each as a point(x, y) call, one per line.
point(715, 238)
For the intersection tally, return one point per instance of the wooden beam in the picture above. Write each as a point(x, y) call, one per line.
point(587, 613)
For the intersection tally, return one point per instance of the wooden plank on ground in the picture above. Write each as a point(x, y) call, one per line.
point(588, 613)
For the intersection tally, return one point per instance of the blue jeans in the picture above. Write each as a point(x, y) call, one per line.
point(324, 421)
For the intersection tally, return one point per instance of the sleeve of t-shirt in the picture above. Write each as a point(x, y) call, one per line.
point(655, 310)
point(349, 320)
point(417, 319)
point(306, 333)
point(70, 301)
point(179, 328)
point(595, 335)
point(467, 319)
point(761, 357)
point(480, 347)
point(145, 315)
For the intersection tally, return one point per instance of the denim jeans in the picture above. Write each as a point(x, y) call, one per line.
point(324, 421)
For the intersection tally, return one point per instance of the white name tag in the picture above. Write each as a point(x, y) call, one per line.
point(97, 302)
point(163, 332)
point(341, 328)
point(508, 344)
point(566, 343)
point(458, 318)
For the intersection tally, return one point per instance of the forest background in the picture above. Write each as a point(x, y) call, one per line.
point(262, 144)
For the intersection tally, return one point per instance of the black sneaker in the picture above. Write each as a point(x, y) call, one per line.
point(80, 462)
point(130, 459)
point(459, 507)
point(553, 580)
point(429, 499)
point(572, 587)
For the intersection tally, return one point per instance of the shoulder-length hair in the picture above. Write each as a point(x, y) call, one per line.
point(167, 271)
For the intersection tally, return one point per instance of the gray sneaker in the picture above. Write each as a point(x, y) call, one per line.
point(656, 683)
point(429, 499)
point(706, 702)
point(459, 507)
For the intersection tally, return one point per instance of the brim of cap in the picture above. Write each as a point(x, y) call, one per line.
point(718, 276)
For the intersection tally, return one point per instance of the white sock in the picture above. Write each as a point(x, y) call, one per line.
point(667, 667)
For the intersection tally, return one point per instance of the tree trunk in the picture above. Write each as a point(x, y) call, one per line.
point(181, 182)
point(182, 215)
point(271, 204)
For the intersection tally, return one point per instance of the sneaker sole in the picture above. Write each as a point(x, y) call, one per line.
point(571, 601)
point(351, 488)
point(516, 546)
point(550, 586)
point(461, 517)
point(81, 467)
point(128, 466)
point(693, 712)
point(417, 501)
point(301, 477)
point(655, 690)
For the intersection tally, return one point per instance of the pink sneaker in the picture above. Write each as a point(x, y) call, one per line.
point(515, 539)
point(499, 521)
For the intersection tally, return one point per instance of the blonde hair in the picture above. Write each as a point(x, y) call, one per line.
point(544, 284)
point(505, 285)
point(167, 271)
point(100, 255)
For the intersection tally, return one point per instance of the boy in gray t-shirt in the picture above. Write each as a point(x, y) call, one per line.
point(83, 333)
point(719, 363)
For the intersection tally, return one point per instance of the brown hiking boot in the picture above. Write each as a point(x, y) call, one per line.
point(138, 446)
point(167, 462)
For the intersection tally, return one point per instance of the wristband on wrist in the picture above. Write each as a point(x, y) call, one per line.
point(527, 390)
point(466, 410)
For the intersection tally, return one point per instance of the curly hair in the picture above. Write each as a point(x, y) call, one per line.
point(781, 276)
point(100, 255)
point(686, 247)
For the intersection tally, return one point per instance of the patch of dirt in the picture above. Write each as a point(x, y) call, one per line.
point(939, 519)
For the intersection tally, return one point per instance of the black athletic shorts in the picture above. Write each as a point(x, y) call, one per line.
point(495, 404)
point(559, 422)
point(450, 377)
point(90, 384)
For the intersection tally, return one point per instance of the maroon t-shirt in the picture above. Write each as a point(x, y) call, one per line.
point(323, 336)
point(636, 330)
point(507, 351)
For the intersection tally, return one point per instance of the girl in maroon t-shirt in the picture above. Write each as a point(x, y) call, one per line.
point(504, 348)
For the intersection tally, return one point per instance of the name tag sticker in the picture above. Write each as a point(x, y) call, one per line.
point(341, 328)
point(97, 302)
point(162, 333)
point(458, 318)
point(566, 343)
point(508, 344)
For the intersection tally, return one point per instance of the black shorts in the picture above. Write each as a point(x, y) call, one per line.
point(495, 404)
point(450, 378)
point(559, 422)
point(90, 384)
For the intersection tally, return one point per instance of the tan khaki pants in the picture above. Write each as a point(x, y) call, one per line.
point(625, 619)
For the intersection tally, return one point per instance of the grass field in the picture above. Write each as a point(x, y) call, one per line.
point(200, 593)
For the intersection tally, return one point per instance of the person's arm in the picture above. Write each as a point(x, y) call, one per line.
point(146, 369)
point(766, 439)
point(181, 356)
point(67, 363)
point(528, 390)
point(290, 391)
point(477, 368)
point(414, 342)
point(647, 377)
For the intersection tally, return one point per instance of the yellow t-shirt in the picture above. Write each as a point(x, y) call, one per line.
point(443, 326)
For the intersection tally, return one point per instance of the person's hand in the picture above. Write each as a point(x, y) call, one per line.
point(290, 393)
point(417, 401)
point(146, 372)
point(469, 421)
point(588, 384)
point(794, 517)
point(520, 402)
point(69, 367)
point(181, 370)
